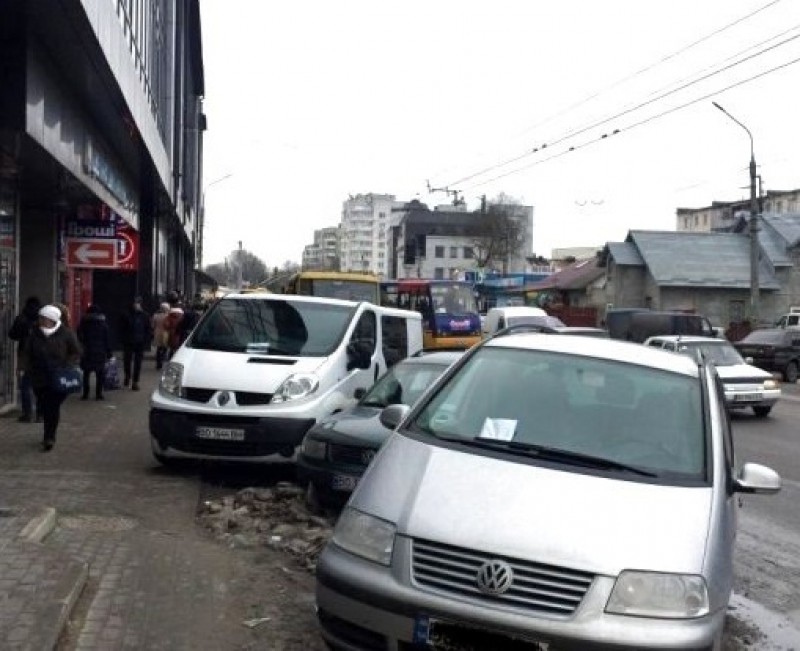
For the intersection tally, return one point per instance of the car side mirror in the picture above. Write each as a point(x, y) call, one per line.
point(359, 393)
point(393, 415)
point(755, 478)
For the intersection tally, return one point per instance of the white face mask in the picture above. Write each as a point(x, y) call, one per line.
point(49, 331)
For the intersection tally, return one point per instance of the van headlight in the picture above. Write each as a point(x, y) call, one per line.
point(770, 385)
point(295, 387)
point(365, 535)
point(172, 378)
point(652, 594)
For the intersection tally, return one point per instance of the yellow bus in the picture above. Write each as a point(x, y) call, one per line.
point(349, 286)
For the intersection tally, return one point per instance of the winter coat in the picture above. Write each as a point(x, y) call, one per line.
point(21, 329)
point(45, 354)
point(172, 325)
point(159, 333)
point(93, 334)
point(135, 329)
point(190, 319)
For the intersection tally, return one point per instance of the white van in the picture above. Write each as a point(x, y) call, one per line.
point(502, 317)
point(260, 369)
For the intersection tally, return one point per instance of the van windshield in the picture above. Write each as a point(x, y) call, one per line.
point(272, 327)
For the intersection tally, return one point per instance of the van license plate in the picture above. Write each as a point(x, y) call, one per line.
point(344, 483)
point(438, 635)
point(748, 397)
point(220, 433)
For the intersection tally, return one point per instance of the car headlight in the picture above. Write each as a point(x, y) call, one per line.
point(171, 378)
point(771, 384)
point(365, 535)
point(296, 386)
point(314, 448)
point(651, 594)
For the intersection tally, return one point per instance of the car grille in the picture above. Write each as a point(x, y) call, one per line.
point(351, 454)
point(535, 587)
point(243, 398)
point(758, 381)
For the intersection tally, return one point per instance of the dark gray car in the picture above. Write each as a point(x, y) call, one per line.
point(337, 450)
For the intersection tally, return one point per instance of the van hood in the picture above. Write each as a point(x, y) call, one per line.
point(210, 369)
point(518, 510)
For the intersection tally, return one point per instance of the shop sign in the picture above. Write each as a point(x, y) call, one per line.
point(92, 253)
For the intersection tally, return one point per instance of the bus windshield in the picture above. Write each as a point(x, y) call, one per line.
point(455, 299)
point(348, 290)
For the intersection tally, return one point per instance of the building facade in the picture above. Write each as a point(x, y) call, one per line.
point(723, 215)
point(101, 135)
point(325, 252)
point(364, 233)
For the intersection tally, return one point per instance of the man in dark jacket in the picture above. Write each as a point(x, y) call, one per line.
point(96, 343)
point(20, 330)
point(135, 333)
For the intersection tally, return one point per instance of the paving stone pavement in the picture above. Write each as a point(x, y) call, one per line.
point(155, 580)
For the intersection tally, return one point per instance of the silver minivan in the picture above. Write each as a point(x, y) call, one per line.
point(547, 493)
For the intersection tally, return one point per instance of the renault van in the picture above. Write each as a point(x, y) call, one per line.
point(260, 369)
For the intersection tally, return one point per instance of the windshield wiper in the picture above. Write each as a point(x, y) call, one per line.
point(550, 454)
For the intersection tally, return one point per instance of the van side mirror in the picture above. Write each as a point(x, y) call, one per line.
point(393, 415)
point(359, 393)
point(755, 478)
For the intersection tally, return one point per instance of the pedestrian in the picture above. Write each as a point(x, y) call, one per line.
point(191, 316)
point(50, 348)
point(94, 337)
point(172, 326)
point(66, 317)
point(136, 334)
point(160, 335)
point(21, 329)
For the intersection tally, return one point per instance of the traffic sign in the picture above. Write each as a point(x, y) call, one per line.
point(94, 253)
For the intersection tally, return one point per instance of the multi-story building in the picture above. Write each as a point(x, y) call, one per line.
point(365, 232)
point(449, 240)
point(101, 135)
point(324, 253)
point(723, 215)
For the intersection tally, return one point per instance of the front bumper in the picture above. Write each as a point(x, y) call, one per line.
point(174, 435)
point(363, 606)
point(742, 397)
point(333, 481)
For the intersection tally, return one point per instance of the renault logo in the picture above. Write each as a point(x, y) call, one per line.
point(495, 577)
point(224, 398)
point(367, 456)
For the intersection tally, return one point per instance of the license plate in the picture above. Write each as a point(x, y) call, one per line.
point(748, 397)
point(220, 433)
point(345, 483)
point(438, 635)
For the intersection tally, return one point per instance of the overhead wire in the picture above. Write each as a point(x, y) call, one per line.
point(633, 75)
point(634, 125)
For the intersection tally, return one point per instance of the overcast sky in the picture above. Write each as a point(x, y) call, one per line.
point(310, 101)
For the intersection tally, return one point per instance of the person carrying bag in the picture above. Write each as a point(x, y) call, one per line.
point(52, 356)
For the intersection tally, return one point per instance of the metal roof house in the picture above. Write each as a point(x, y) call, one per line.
point(706, 272)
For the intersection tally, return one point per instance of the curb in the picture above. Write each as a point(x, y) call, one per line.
point(66, 598)
point(40, 526)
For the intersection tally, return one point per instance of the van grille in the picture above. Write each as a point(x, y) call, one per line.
point(535, 587)
point(197, 395)
point(249, 399)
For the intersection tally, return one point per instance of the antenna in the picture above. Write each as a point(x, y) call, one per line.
point(457, 201)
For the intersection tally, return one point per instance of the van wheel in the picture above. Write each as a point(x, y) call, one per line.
point(761, 412)
point(790, 373)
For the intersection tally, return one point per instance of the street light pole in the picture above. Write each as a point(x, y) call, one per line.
point(755, 308)
point(202, 224)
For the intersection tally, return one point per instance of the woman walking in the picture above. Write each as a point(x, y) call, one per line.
point(160, 335)
point(94, 337)
point(50, 347)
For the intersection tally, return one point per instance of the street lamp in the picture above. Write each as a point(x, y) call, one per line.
point(201, 225)
point(754, 248)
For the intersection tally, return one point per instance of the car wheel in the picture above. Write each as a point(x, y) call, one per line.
point(790, 373)
point(761, 412)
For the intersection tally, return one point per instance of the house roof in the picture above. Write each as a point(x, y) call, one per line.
point(625, 253)
point(578, 275)
point(689, 259)
point(787, 225)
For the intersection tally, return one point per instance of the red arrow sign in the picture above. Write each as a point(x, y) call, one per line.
point(99, 254)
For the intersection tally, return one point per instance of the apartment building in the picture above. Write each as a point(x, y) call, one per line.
point(324, 253)
point(723, 215)
point(364, 232)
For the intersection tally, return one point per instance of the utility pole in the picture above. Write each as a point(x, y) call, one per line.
point(239, 280)
point(755, 307)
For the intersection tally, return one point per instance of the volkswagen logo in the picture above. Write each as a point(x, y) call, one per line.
point(495, 577)
point(224, 398)
point(367, 456)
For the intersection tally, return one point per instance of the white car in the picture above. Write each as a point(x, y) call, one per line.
point(745, 385)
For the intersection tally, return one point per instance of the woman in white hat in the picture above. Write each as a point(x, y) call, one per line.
point(50, 346)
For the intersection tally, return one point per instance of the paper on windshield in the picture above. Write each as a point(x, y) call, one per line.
point(498, 429)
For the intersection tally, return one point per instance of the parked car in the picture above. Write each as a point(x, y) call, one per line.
point(499, 318)
point(581, 331)
point(745, 385)
point(790, 320)
point(338, 449)
point(261, 369)
point(774, 349)
point(639, 324)
point(570, 492)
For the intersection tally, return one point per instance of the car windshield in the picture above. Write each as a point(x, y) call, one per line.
point(721, 354)
point(533, 319)
point(623, 413)
point(404, 384)
point(273, 327)
point(768, 337)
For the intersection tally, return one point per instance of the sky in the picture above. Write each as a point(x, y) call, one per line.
point(310, 101)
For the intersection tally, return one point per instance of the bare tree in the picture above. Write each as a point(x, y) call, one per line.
point(500, 233)
point(254, 270)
